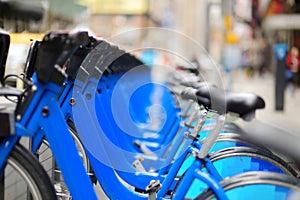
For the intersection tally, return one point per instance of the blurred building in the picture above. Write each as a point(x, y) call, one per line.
point(282, 21)
point(210, 23)
point(40, 15)
point(18, 16)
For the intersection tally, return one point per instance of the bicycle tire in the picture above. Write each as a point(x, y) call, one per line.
point(256, 154)
point(281, 183)
point(238, 139)
point(230, 162)
point(33, 174)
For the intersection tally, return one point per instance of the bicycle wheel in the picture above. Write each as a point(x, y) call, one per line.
point(256, 185)
point(25, 178)
point(232, 161)
point(226, 140)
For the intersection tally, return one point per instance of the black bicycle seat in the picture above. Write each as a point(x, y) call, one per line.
point(223, 101)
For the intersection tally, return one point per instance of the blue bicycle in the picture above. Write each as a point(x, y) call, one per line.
point(39, 114)
point(22, 176)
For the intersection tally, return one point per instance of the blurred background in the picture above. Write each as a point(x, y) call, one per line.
point(248, 40)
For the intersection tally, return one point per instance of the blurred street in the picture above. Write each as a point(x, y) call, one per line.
point(264, 86)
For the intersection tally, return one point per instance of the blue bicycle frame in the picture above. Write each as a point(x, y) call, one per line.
point(44, 117)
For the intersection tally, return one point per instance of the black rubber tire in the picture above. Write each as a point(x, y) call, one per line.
point(253, 178)
point(255, 153)
point(30, 166)
point(232, 128)
point(238, 138)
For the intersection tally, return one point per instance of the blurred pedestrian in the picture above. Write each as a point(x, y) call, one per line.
point(232, 57)
point(246, 63)
point(293, 65)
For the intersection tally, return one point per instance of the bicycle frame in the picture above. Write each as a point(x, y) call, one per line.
point(43, 116)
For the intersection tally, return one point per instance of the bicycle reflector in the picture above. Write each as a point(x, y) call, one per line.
point(7, 121)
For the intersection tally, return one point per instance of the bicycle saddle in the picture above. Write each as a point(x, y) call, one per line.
point(223, 101)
